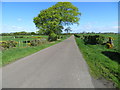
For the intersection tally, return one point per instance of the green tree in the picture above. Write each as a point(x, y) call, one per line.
point(68, 29)
point(32, 33)
point(22, 33)
point(53, 19)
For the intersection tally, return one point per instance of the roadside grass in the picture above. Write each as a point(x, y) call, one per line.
point(12, 54)
point(102, 65)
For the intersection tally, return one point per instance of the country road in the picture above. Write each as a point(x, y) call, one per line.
point(58, 66)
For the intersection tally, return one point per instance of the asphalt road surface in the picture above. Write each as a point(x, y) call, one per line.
point(58, 66)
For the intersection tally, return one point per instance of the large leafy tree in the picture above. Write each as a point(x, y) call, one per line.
point(53, 19)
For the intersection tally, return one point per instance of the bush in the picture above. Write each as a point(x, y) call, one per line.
point(52, 37)
point(34, 43)
point(4, 44)
point(8, 44)
point(76, 35)
point(108, 45)
point(82, 37)
point(26, 41)
point(58, 37)
point(12, 43)
point(61, 37)
point(37, 42)
point(19, 37)
point(94, 39)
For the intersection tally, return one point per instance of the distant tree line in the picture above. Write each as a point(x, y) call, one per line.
point(38, 33)
point(95, 33)
point(28, 33)
point(18, 33)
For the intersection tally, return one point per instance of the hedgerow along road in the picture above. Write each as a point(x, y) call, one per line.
point(58, 66)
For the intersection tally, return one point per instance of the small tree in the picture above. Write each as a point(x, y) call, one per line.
point(33, 33)
point(68, 29)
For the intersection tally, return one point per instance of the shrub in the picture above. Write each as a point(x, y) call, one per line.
point(1, 48)
point(8, 44)
point(4, 44)
point(29, 44)
point(33, 43)
point(94, 39)
point(82, 37)
point(109, 45)
point(26, 41)
point(58, 37)
point(61, 36)
point(52, 37)
point(37, 42)
point(100, 40)
point(12, 43)
point(19, 37)
point(76, 35)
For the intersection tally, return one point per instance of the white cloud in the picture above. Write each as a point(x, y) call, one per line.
point(14, 28)
point(116, 27)
point(106, 29)
point(17, 28)
point(81, 28)
point(90, 27)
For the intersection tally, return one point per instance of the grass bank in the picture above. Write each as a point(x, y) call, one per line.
point(13, 54)
point(103, 62)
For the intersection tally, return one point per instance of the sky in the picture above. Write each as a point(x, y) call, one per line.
point(96, 16)
point(60, 0)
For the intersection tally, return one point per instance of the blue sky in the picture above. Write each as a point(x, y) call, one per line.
point(96, 16)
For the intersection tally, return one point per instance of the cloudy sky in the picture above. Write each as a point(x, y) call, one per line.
point(96, 16)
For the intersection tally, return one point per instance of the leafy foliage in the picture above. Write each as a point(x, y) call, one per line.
point(76, 35)
point(94, 39)
point(8, 44)
point(91, 39)
point(53, 18)
point(68, 29)
point(18, 37)
point(52, 37)
point(37, 42)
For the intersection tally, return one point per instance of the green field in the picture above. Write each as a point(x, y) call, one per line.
point(103, 62)
point(22, 50)
point(20, 40)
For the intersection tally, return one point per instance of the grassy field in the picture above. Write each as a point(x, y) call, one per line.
point(103, 62)
point(13, 54)
point(20, 40)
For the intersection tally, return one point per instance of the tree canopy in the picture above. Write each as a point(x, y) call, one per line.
point(54, 18)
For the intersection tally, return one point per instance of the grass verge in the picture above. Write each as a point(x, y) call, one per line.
point(13, 54)
point(101, 66)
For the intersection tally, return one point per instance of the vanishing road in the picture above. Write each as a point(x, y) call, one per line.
point(58, 66)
